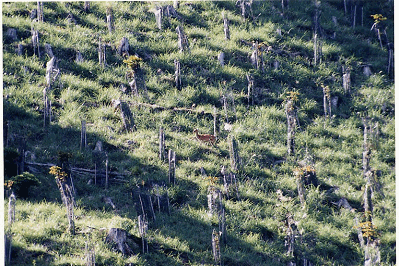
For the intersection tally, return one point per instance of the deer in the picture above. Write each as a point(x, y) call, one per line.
point(206, 138)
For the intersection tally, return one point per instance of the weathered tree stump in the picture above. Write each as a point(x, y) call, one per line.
point(11, 33)
point(234, 157)
point(123, 48)
point(221, 58)
point(20, 49)
point(158, 17)
point(182, 39)
point(49, 50)
point(346, 80)
point(126, 115)
point(35, 42)
point(79, 57)
point(110, 20)
point(118, 236)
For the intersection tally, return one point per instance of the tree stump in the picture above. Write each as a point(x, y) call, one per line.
point(221, 58)
point(79, 57)
point(117, 237)
point(226, 27)
point(123, 48)
point(11, 33)
point(35, 42)
point(346, 80)
point(182, 39)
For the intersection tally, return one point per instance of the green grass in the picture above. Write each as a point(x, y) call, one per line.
point(255, 219)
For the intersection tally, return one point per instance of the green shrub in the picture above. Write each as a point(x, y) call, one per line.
point(22, 183)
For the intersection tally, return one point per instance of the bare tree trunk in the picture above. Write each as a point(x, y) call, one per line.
point(110, 20)
point(90, 257)
point(35, 42)
point(234, 157)
point(215, 122)
point(86, 6)
point(101, 53)
point(177, 74)
point(143, 227)
point(40, 16)
point(106, 171)
point(158, 17)
point(182, 39)
point(20, 49)
point(291, 126)
point(216, 247)
point(301, 190)
point(221, 58)
point(317, 50)
point(161, 144)
point(354, 17)
point(226, 27)
point(172, 166)
point(83, 140)
point(390, 59)
point(250, 95)
point(346, 80)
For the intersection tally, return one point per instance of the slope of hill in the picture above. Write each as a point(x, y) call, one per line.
point(300, 96)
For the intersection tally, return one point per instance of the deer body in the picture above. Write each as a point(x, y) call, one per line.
point(206, 138)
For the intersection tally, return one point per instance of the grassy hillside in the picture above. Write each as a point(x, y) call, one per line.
point(264, 209)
